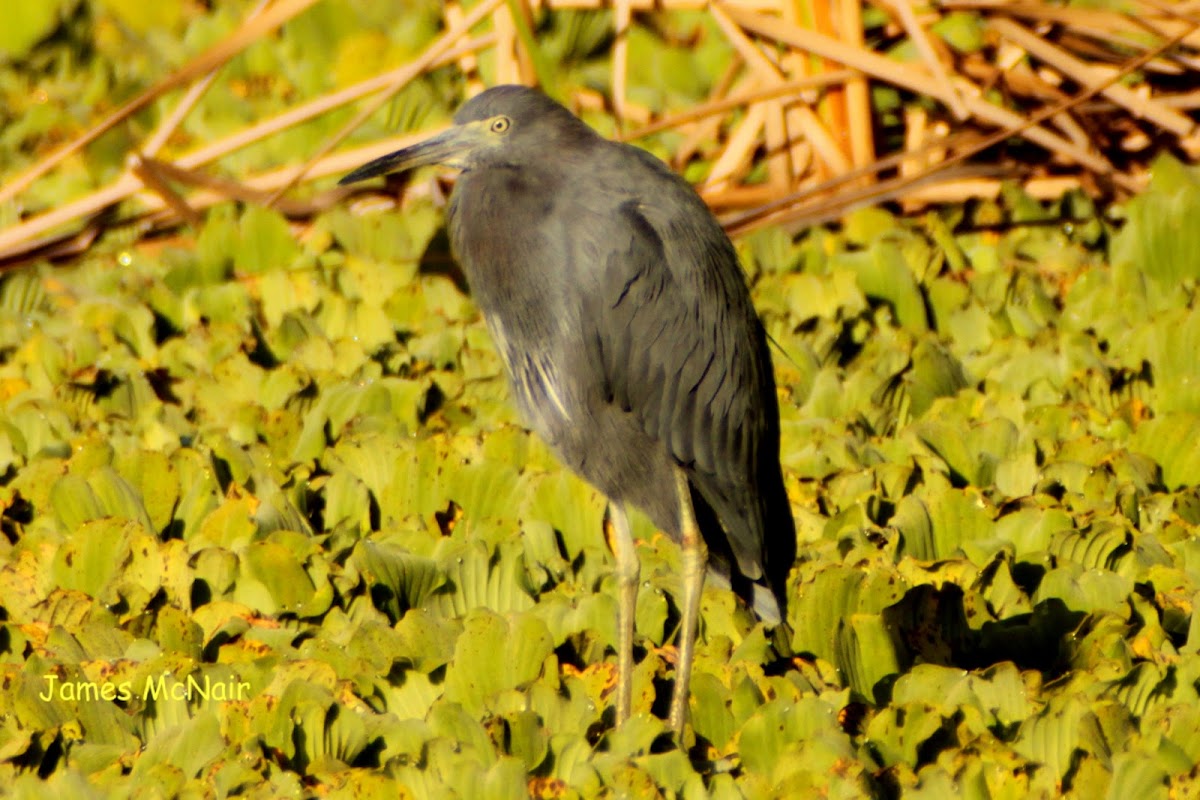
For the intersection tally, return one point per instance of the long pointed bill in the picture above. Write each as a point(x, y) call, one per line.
point(445, 148)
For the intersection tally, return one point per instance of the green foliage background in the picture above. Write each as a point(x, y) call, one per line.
point(283, 456)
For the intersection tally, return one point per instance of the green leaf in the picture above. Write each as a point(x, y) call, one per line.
point(280, 573)
point(1173, 441)
point(831, 595)
point(1097, 548)
point(711, 715)
point(868, 652)
point(74, 502)
point(93, 559)
point(937, 521)
point(935, 373)
point(409, 579)
point(883, 274)
point(145, 17)
point(1158, 239)
point(961, 30)
point(1134, 775)
point(266, 242)
point(1052, 737)
point(188, 747)
point(25, 24)
point(494, 654)
point(477, 579)
point(1084, 590)
point(899, 733)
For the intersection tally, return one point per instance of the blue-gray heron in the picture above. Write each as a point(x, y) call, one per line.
point(630, 342)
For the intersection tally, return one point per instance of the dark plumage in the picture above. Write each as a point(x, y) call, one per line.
point(619, 308)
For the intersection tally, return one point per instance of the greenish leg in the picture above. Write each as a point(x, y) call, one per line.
point(628, 570)
point(695, 559)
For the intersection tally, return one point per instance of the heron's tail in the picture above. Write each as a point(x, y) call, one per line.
point(765, 604)
point(763, 600)
point(756, 595)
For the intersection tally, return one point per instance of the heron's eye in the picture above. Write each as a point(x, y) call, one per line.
point(501, 125)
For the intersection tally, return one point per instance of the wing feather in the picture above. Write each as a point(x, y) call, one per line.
point(671, 325)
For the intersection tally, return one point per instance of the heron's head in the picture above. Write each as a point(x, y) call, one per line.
point(512, 125)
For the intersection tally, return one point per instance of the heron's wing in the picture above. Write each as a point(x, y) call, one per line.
point(681, 349)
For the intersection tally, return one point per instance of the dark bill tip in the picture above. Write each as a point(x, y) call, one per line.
point(380, 166)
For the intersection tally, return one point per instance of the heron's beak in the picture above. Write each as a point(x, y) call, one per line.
point(446, 148)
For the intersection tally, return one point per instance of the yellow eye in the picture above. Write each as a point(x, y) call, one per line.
point(501, 124)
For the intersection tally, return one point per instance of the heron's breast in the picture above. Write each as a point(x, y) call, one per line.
point(545, 399)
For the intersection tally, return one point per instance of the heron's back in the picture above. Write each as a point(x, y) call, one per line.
point(622, 315)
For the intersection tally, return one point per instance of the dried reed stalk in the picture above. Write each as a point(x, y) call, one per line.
point(796, 98)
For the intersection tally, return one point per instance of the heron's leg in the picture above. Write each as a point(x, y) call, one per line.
point(627, 586)
point(695, 559)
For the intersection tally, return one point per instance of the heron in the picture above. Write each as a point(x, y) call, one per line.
point(631, 346)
